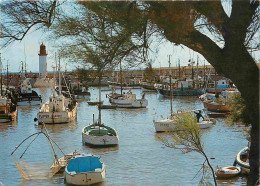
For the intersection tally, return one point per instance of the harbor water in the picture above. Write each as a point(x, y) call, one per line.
point(139, 159)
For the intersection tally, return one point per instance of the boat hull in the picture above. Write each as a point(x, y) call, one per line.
point(85, 178)
point(240, 160)
point(216, 107)
point(80, 96)
point(228, 172)
point(138, 103)
point(4, 118)
point(148, 88)
point(205, 124)
point(168, 125)
point(181, 92)
point(99, 140)
point(29, 103)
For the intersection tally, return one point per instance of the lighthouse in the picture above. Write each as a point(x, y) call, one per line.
point(42, 62)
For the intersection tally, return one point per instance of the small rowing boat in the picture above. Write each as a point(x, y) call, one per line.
point(228, 172)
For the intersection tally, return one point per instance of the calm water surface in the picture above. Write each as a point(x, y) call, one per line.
point(140, 159)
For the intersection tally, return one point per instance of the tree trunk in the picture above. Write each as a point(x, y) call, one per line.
point(237, 64)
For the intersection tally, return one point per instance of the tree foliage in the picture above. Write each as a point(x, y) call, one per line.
point(149, 73)
point(239, 112)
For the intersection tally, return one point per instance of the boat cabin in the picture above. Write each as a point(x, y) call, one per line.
point(26, 87)
point(57, 103)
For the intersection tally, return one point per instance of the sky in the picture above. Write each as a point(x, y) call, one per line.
point(28, 50)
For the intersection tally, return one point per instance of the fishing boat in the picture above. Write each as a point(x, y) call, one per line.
point(169, 124)
point(242, 158)
point(27, 96)
point(128, 100)
point(218, 85)
point(228, 172)
point(148, 86)
point(214, 106)
point(85, 170)
point(8, 110)
point(98, 134)
point(58, 109)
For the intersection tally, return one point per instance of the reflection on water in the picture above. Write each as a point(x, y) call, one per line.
point(139, 159)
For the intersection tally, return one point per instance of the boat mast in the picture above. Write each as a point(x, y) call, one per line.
point(59, 78)
point(99, 89)
point(170, 75)
point(22, 72)
point(179, 70)
point(25, 71)
point(197, 67)
point(121, 78)
point(7, 75)
point(204, 77)
point(1, 75)
point(216, 82)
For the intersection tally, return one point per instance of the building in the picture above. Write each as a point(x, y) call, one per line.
point(42, 62)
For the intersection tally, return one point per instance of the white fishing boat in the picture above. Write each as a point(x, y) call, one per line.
point(99, 135)
point(170, 125)
point(85, 170)
point(27, 96)
point(58, 109)
point(228, 172)
point(128, 100)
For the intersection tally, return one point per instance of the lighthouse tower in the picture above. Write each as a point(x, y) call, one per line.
point(42, 62)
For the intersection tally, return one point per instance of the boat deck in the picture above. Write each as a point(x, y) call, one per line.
point(100, 130)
